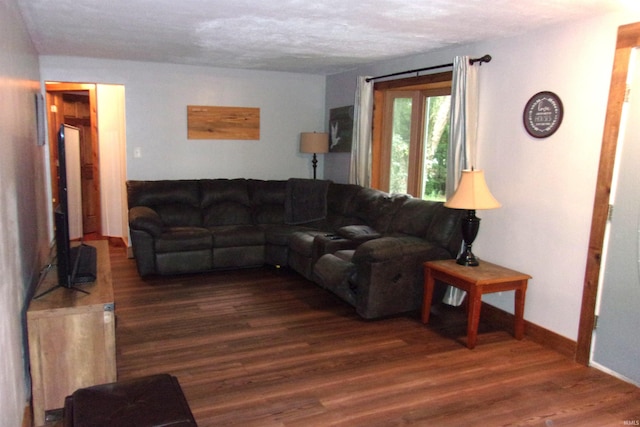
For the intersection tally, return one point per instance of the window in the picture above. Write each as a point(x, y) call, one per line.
point(411, 135)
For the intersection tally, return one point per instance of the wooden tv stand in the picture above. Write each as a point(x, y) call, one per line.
point(71, 337)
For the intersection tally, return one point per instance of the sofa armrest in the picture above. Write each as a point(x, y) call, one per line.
point(146, 219)
point(358, 233)
point(377, 249)
point(387, 248)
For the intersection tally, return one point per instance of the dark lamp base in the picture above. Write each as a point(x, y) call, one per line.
point(470, 227)
point(467, 258)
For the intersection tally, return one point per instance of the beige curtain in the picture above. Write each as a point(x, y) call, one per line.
point(360, 170)
point(464, 121)
point(462, 137)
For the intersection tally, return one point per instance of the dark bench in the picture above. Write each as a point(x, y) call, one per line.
point(151, 401)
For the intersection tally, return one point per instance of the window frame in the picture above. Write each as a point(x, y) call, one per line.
point(383, 94)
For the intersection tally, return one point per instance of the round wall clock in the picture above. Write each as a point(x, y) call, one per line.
point(542, 114)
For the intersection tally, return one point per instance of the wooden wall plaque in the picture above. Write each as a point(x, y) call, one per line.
point(205, 122)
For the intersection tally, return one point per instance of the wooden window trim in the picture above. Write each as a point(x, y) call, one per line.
point(429, 85)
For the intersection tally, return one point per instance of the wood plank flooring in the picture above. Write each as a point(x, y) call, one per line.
point(264, 347)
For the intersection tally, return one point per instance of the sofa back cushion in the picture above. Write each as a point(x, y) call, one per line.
point(445, 228)
point(339, 200)
point(177, 202)
point(413, 217)
point(225, 202)
point(376, 208)
point(431, 221)
point(267, 199)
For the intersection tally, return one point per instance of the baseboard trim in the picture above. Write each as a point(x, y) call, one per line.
point(500, 318)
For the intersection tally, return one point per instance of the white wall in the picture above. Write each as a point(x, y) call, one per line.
point(546, 186)
point(113, 164)
point(23, 204)
point(157, 96)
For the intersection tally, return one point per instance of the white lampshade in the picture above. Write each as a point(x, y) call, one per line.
point(472, 193)
point(314, 142)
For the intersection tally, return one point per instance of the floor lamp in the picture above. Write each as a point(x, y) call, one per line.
point(472, 193)
point(316, 143)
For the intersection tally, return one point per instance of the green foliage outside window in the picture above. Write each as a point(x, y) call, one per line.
point(436, 139)
point(400, 142)
point(437, 145)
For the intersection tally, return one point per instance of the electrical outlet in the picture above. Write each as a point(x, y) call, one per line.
point(137, 152)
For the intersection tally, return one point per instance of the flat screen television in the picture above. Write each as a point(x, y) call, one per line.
point(76, 263)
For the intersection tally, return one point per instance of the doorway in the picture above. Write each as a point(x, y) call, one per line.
point(616, 343)
point(75, 104)
point(628, 39)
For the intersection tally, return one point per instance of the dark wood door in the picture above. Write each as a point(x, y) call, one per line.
point(75, 104)
point(77, 113)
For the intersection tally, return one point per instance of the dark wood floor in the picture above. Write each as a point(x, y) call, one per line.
point(264, 347)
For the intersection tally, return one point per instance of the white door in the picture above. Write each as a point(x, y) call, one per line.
point(617, 339)
point(74, 184)
point(113, 164)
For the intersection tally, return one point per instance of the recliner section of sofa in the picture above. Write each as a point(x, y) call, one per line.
point(364, 245)
point(384, 276)
point(165, 222)
point(186, 226)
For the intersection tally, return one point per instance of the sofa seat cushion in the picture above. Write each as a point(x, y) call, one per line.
point(280, 234)
point(180, 239)
point(237, 235)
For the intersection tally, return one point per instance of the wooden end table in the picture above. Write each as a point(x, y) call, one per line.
point(476, 281)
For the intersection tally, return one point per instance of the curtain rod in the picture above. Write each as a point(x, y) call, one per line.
point(486, 58)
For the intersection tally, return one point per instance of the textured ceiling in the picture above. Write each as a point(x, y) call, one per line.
point(320, 37)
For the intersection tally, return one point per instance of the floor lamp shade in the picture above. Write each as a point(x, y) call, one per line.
point(314, 142)
point(472, 193)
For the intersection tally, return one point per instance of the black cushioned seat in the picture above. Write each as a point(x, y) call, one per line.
point(151, 401)
point(183, 239)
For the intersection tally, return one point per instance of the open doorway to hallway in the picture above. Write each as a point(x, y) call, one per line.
point(75, 104)
point(98, 111)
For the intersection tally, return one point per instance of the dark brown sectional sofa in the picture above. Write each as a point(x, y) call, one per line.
point(364, 245)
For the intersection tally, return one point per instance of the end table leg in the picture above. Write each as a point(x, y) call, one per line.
point(429, 283)
point(475, 305)
point(519, 312)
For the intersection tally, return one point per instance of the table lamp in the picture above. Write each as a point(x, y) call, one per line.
point(472, 193)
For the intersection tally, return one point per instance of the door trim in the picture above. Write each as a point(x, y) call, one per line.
point(628, 39)
point(54, 123)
